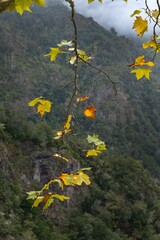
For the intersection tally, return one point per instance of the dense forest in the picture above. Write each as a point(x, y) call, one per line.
point(123, 200)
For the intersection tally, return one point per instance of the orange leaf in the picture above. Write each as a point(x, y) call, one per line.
point(90, 112)
point(80, 99)
point(139, 61)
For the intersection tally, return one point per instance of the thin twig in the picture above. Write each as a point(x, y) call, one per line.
point(103, 72)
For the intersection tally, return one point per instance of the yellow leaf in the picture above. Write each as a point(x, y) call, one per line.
point(140, 25)
point(82, 55)
point(80, 99)
point(44, 106)
point(62, 132)
point(53, 53)
point(67, 123)
point(60, 197)
point(48, 203)
point(92, 152)
point(38, 201)
point(68, 179)
point(142, 72)
point(81, 177)
point(39, 2)
point(155, 13)
point(23, 5)
point(152, 44)
point(34, 102)
point(136, 12)
point(90, 112)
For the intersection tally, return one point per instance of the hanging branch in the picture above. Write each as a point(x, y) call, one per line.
point(71, 3)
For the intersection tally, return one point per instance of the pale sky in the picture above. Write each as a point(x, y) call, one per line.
point(112, 13)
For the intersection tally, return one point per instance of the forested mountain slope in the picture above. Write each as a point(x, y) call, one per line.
point(128, 123)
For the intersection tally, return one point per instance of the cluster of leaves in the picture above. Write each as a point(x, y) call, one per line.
point(98, 145)
point(67, 47)
point(65, 179)
point(141, 25)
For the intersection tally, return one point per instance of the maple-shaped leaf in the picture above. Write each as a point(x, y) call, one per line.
point(142, 72)
point(90, 112)
point(94, 139)
point(139, 61)
point(140, 25)
point(67, 123)
point(81, 177)
point(39, 2)
point(85, 178)
point(83, 56)
point(23, 5)
point(80, 99)
point(44, 106)
point(32, 194)
point(53, 53)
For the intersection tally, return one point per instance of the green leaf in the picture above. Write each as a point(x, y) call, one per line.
point(101, 147)
point(32, 194)
point(94, 139)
